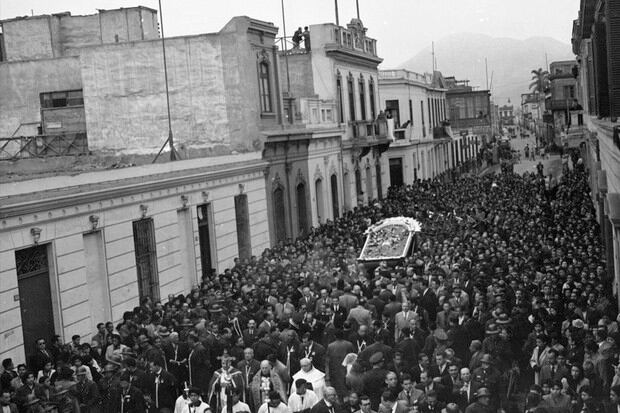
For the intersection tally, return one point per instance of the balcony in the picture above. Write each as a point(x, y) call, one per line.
point(352, 44)
point(406, 75)
point(317, 112)
point(561, 75)
point(469, 123)
point(562, 104)
point(43, 146)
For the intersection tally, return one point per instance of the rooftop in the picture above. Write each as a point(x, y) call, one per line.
point(67, 184)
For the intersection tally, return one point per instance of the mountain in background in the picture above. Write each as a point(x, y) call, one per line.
point(510, 61)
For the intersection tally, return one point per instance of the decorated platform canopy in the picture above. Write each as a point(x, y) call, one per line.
point(390, 239)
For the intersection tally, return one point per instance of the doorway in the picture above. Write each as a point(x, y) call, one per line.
point(396, 171)
point(242, 218)
point(369, 184)
point(335, 203)
point(279, 214)
point(204, 238)
point(302, 212)
point(146, 258)
point(35, 296)
point(378, 172)
point(320, 212)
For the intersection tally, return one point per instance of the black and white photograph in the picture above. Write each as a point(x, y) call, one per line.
point(334, 206)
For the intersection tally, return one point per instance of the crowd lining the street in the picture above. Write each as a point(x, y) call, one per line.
point(504, 305)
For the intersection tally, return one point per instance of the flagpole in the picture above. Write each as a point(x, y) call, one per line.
point(337, 19)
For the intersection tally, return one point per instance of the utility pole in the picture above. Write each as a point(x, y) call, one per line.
point(288, 76)
point(486, 69)
point(170, 140)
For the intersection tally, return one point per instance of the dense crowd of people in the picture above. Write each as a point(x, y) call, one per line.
point(504, 305)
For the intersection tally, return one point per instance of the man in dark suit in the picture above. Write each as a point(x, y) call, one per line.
point(177, 354)
point(428, 300)
point(126, 398)
point(248, 367)
point(390, 403)
point(40, 357)
point(199, 364)
point(162, 391)
point(339, 312)
point(466, 394)
point(329, 404)
point(312, 350)
point(374, 379)
point(250, 334)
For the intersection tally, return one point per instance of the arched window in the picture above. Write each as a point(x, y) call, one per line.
point(264, 85)
point(362, 91)
point(351, 94)
point(371, 97)
point(340, 103)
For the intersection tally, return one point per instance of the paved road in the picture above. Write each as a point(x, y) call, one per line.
point(552, 164)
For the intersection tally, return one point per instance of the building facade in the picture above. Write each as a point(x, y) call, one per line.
point(416, 104)
point(596, 45)
point(84, 238)
point(326, 160)
point(566, 111)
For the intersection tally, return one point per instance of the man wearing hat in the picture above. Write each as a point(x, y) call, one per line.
point(86, 392)
point(125, 397)
point(199, 364)
point(482, 403)
point(301, 399)
point(222, 383)
point(374, 379)
point(108, 385)
point(486, 376)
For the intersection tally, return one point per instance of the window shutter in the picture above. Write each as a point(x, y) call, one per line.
point(599, 40)
point(613, 56)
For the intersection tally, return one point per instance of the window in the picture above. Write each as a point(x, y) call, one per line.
point(340, 103)
point(62, 99)
point(391, 106)
point(430, 115)
point(423, 125)
point(242, 218)
point(371, 97)
point(264, 85)
point(411, 112)
point(351, 97)
point(362, 92)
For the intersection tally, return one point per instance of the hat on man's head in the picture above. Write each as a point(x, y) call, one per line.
point(486, 358)
point(483, 392)
point(376, 358)
point(440, 334)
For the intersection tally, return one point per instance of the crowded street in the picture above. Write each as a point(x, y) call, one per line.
point(505, 301)
point(338, 206)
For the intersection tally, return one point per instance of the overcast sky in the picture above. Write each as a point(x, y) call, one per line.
point(402, 27)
